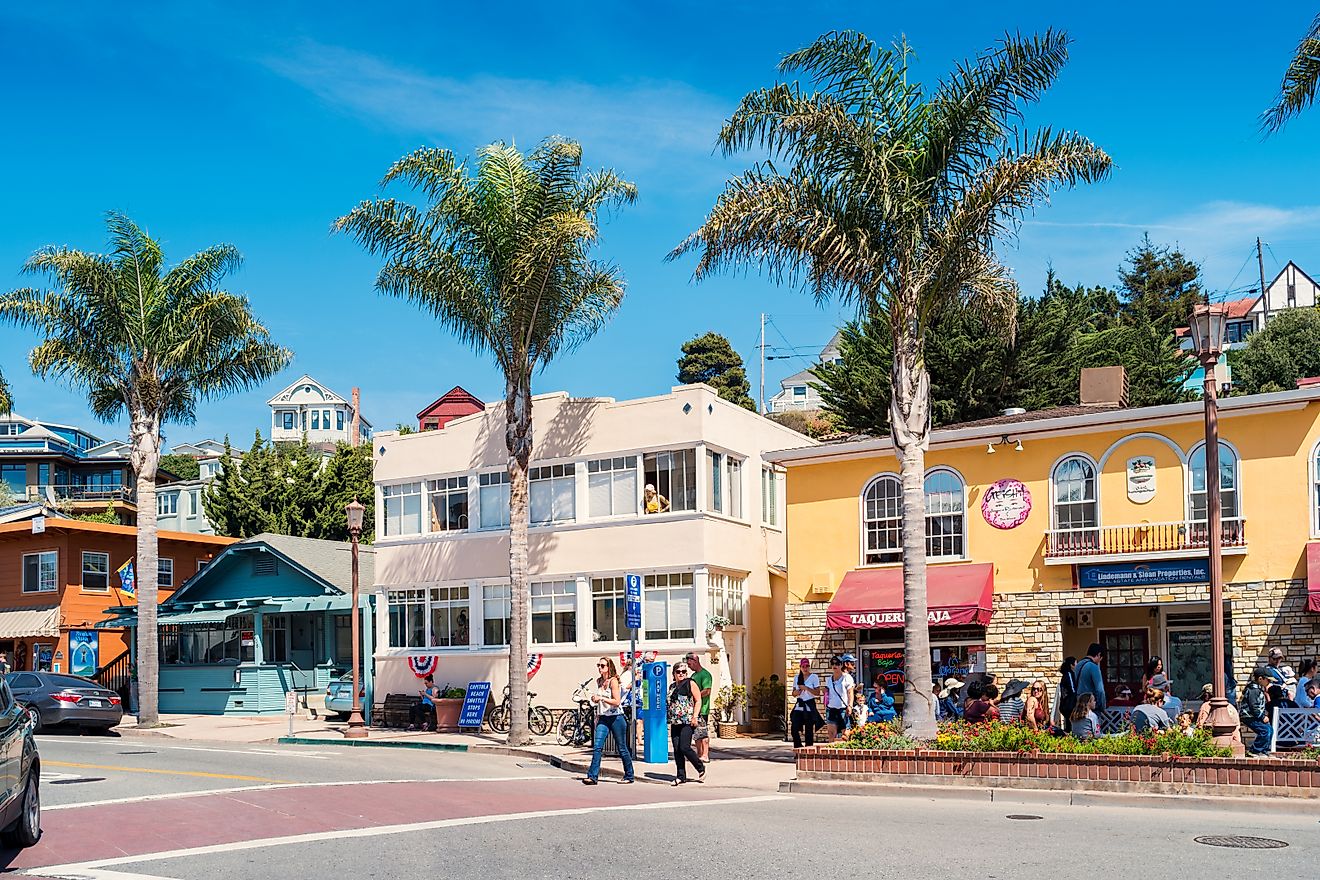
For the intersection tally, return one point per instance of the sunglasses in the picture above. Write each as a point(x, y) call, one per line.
point(602, 665)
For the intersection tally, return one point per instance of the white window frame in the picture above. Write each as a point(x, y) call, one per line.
point(164, 566)
point(194, 503)
point(492, 500)
point(316, 420)
point(733, 486)
point(958, 537)
point(167, 504)
point(552, 478)
point(614, 592)
point(551, 599)
point(447, 488)
point(715, 481)
point(614, 474)
point(500, 595)
point(454, 600)
point(398, 494)
point(676, 504)
point(1314, 470)
point(1055, 521)
point(105, 572)
point(1235, 491)
point(669, 583)
point(770, 496)
point(48, 569)
point(409, 598)
point(726, 596)
point(896, 551)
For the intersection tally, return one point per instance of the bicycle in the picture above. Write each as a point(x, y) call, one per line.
point(578, 726)
point(540, 721)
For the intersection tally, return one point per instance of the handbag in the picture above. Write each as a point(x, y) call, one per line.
point(702, 731)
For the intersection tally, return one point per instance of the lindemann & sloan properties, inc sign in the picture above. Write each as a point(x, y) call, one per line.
point(1144, 574)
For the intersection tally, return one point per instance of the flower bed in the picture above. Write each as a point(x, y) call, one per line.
point(996, 737)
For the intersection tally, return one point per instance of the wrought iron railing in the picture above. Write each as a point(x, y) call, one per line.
point(1141, 539)
point(116, 674)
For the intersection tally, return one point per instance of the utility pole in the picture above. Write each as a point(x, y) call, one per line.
point(761, 399)
point(1264, 294)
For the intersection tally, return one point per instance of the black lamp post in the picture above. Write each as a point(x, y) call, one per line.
point(357, 728)
point(1209, 329)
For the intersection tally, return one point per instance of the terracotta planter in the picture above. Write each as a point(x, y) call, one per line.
point(446, 714)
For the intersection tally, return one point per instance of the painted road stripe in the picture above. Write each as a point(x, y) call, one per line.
point(78, 870)
point(287, 753)
point(197, 773)
point(207, 792)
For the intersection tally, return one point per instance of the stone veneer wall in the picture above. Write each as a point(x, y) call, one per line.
point(805, 635)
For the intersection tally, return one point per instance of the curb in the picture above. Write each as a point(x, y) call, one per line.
point(1046, 797)
point(367, 743)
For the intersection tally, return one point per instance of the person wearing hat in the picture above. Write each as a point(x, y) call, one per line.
point(1172, 705)
point(805, 717)
point(1011, 703)
point(1253, 711)
point(1281, 673)
point(838, 695)
point(653, 501)
point(948, 697)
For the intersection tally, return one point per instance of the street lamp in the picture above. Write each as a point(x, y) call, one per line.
point(1209, 328)
point(357, 728)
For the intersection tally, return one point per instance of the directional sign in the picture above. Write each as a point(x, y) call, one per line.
point(633, 606)
point(474, 704)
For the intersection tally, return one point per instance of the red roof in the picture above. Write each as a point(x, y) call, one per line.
point(455, 403)
point(872, 598)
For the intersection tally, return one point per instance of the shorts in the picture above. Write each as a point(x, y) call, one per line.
point(837, 717)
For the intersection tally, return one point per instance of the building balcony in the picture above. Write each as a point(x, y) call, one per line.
point(81, 494)
point(1187, 539)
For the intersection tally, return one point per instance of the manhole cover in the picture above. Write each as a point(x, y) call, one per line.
point(78, 780)
point(1242, 842)
point(1022, 816)
point(137, 753)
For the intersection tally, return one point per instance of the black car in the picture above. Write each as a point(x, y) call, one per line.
point(52, 698)
point(20, 775)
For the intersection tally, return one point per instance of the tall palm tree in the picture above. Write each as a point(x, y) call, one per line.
point(500, 255)
point(890, 198)
point(150, 343)
point(1297, 91)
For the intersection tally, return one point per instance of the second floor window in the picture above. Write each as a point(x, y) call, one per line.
point(339, 420)
point(552, 489)
point(288, 421)
point(1075, 500)
point(167, 504)
point(403, 509)
point(945, 532)
point(165, 573)
point(448, 500)
point(674, 476)
point(1228, 484)
point(882, 515)
point(769, 496)
point(95, 571)
point(40, 572)
point(493, 498)
point(612, 486)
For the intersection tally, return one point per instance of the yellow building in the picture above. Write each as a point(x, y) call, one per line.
point(1051, 530)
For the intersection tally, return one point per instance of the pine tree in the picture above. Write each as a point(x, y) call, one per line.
point(710, 358)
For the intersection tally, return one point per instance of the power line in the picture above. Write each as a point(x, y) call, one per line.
point(771, 321)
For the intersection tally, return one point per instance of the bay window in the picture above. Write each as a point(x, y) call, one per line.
point(403, 509)
point(726, 595)
point(674, 475)
point(551, 492)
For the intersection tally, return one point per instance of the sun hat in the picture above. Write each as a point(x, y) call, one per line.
point(951, 684)
point(1013, 689)
point(1160, 680)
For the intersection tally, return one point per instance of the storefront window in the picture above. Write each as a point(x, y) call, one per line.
point(960, 654)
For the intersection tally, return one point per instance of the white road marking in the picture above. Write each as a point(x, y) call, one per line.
point(295, 753)
point(97, 874)
point(77, 870)
point(176, 795)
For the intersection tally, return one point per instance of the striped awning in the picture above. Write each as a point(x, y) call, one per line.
point(20, 623)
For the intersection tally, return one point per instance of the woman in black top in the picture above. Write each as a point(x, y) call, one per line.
point(684, 710)
point(1065, 697)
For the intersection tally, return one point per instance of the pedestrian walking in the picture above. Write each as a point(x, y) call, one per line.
point(704, 681)
point(1084, 722)
point(805, 717)
point(684, 712)
point(838, 696)
point(1065, 695)
point(607, 698)
point(1036, 710)
point(1150, 715)
point(1089, 679)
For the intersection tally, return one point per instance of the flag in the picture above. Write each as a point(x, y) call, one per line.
point(126, 581)
point(424, 665)
point(533, 664)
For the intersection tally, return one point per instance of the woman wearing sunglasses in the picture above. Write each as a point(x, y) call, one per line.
point(608, 700)
point(684, 711)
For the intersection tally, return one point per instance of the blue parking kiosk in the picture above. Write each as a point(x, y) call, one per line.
point(654, 714)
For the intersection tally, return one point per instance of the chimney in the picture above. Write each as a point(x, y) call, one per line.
point(1104, 387)
point(356, 426)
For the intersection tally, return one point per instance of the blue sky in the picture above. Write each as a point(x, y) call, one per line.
point(258, 124)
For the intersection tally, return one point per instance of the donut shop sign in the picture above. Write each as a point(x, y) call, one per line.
point(1006, 504)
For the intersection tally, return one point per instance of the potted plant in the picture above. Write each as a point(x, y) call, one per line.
point(728, 701)
point(767, 703)
point(448, 707)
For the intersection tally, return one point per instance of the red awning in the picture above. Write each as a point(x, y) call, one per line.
point(872, 598)
point(1313, 576)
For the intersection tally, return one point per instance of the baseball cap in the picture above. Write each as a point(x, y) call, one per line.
point(848, 658)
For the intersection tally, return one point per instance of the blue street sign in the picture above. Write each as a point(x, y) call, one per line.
point(633, 597)
point(474, 704)
point(1144, 574)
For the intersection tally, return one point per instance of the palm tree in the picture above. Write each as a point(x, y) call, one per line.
point(891, 198)
point(500, 255)
point(150, 343)
point(1297, 91)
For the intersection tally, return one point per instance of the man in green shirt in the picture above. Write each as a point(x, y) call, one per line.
point(701, 675)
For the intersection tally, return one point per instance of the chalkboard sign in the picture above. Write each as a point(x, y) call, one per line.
point(474, 704)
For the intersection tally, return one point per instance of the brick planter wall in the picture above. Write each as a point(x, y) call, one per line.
point(1274, 777)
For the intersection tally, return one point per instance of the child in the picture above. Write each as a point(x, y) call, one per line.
point(880, 704)
point(859, 714)
point(1187, 724)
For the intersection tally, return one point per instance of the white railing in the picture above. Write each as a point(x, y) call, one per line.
point(1141, 539)
point(793, 404)
point(1295, 728)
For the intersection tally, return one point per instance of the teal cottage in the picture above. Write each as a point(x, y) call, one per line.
point(268, 616)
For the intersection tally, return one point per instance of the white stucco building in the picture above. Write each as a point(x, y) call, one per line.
point(796, 391)
point(442, 540)
point(308, 408)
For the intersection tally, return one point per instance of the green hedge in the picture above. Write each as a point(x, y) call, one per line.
point(998, 737)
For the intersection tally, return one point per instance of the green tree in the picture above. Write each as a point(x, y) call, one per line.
point(890, 196)
point(1287, 349)
point(501, 255)
point(710, 358)
point(106, 517)
point(1297, 91)
point(185, 467)
point(346, 476)
point(6, 397)
point(149, 342)
point(1159, 287)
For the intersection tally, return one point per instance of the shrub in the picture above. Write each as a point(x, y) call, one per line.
point(876, 735)
point(997, 737)
point(452, 692)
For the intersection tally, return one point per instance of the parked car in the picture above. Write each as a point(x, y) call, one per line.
point(339, 697)
point(52, 698)
point(20, 775)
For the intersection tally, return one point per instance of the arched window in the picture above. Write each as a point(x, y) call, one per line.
point(882, 520)
point(1075, 504)
point(945, 530)
point(1228, 485)
point(1315, 491)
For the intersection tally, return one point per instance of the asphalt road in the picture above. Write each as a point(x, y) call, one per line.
point(197, 811)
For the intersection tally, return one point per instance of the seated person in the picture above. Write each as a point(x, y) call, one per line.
point(422, 715)
point(1150, 715)
point(879, 704)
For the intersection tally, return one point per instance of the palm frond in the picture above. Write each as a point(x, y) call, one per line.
point(1298, 89)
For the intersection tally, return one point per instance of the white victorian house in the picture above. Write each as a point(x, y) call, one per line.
point(796, 392)
point(309, 409)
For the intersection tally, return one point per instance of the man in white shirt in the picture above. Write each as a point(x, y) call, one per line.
point(839, 695)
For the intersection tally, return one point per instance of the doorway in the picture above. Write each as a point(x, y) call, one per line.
point(1124, 663)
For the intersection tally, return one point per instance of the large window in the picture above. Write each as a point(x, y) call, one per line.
point(612, 486)
point(882, 520)
point(95, 571)
point(15, 476)
point(554, 613)
point(608, 610)
point(495, 602)
point(316, 420)
point(275, 638)
point(493, 499)
point(1228, 484)
point(1075, 500)
point(551, 491)
point(449, 617)
point(227, 642)
point(945, 531)
point(674, 475)
point(668, 606)
point(403, 508)
point(407, 618)
point(40, 572)
point(448, 500)
point(769, 496)
point(288, 421)
point(165, 573)
point(727, 595)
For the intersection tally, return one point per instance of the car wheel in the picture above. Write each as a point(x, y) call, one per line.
point(26, 830)
point(34, 715)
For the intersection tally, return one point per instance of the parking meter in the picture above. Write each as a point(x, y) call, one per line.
point(654, 714)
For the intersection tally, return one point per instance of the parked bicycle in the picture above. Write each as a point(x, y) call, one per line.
point(578, 726)
point(539, 719)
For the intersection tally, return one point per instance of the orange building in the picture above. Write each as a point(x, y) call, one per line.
point(58, 577)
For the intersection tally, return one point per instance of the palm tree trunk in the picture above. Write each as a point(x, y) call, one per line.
point(145, 458)
point(518, 439)
point(909, 419)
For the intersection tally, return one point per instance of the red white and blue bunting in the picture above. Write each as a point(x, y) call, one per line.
point(534, 664)
point(424, 665)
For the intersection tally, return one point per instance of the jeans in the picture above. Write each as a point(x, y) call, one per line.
point(681, 736)
point(421, 715)
point(606, 725)
point(803, 721)
point(1264, 733)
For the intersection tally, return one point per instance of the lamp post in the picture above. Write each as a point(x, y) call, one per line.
point(357, 728)
point(1209, 327)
